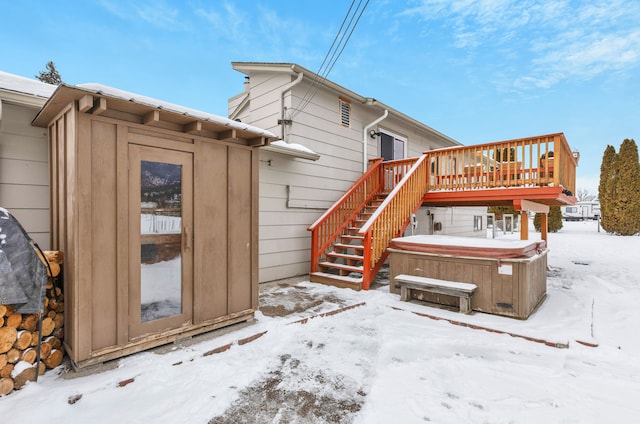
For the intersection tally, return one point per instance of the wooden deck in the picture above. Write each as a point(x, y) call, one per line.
point(529, 174)
point(549, 196)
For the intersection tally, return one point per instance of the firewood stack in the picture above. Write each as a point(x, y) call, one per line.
point(19, 334)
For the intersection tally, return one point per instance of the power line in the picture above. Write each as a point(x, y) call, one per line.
point(333, 54)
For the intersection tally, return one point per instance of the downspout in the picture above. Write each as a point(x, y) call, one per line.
point(365, 141)
point(286, 88)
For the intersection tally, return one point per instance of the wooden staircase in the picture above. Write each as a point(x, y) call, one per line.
point(349, 241)
point(343, 262)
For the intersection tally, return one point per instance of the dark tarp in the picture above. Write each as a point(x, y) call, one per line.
point(23, 276)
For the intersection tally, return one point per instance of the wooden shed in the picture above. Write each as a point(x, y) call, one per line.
point(155, 207)
point(510, 275)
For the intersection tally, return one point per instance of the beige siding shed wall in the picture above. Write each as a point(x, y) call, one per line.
point(90, 189)
point(24, 170)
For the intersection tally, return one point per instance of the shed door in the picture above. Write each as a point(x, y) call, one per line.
point(160, 239)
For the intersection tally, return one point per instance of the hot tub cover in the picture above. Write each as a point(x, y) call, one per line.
point(469, 246)
point(23, 276)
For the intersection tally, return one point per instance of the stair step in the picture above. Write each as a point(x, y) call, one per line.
point(350, 268)
point(350, 237)
point(345, 256)
point(348, 246)
point(354, 283)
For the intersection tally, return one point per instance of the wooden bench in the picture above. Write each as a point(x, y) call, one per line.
point(433, 285)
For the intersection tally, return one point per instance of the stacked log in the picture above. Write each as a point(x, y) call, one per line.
point(19, 336)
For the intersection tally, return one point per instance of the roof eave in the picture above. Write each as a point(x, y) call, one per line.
point(23, 99)
point(66, 94)
point(250, 67)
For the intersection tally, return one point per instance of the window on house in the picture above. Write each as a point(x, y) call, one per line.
point(345, 112)
point(477, 223)
point(391, 147)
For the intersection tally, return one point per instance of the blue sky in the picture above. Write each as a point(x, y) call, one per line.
point(476, 70)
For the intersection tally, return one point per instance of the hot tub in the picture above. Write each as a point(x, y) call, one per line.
point(510, 275)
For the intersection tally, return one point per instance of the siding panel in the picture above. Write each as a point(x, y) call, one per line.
point(24, 173)
point(16, 196)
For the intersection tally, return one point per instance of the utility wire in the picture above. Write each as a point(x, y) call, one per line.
point(316, 84)
point(326, 56)
point(334, 53)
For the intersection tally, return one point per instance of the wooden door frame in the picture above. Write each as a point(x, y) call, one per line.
point(137, 153)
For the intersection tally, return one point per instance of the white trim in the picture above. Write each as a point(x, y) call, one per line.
point(243, 103)
point(365, 139)
point(22, 98)
point(290, 151)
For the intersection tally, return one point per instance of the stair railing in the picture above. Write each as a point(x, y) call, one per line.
point(392, 217)
point(332, 223)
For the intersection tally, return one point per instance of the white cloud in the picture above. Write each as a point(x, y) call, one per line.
point(158, 14)
point(582, 57)
point(551, 41)
point(226, 20)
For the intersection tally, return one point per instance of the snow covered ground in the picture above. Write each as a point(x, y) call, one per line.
point(381, 363)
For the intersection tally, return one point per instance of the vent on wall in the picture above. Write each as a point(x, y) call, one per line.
point(345, 112)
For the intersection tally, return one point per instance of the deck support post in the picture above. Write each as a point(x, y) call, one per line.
point(524, 225)
point(544, 226)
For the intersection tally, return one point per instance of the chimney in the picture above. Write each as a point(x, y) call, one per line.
point(576, 155)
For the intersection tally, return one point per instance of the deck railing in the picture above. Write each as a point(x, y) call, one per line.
point(528, 162)
point(392, 216)
point(331, 224)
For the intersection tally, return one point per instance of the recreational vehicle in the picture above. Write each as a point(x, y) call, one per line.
point(581, 211)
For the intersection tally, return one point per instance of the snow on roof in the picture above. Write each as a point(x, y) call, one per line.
point(24, 85)
point(149, 101)
point(293, 149)
point(293, 146)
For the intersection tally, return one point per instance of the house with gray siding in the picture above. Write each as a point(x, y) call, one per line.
point(328, 134)
point(24, 167)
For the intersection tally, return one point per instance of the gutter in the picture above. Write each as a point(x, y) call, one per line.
point(365, 134)
point(286, 88)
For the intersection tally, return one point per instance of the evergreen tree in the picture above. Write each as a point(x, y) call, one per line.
point(606, 178)
point(554, 220)
point(626, 204)
point(51, 75)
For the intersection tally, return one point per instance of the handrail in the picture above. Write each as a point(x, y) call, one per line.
point(331, 223)
point(522, 162)
point(392, 215)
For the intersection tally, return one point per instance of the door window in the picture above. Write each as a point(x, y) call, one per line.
point(391, 147)
point(161, 240)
